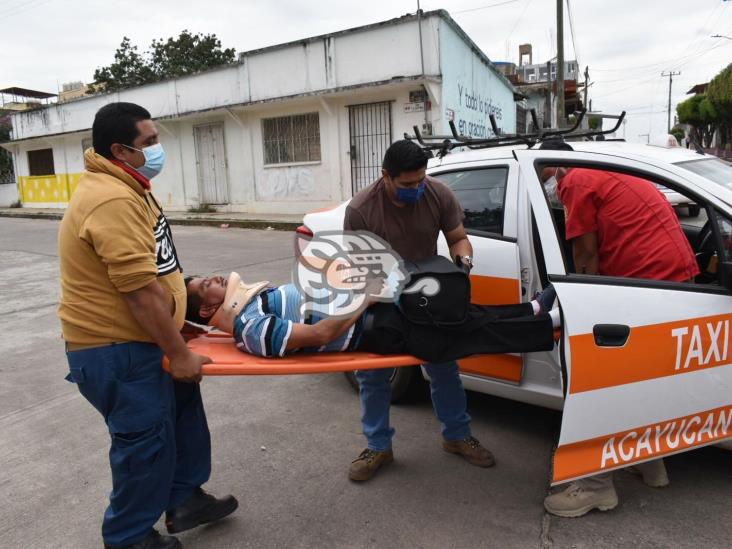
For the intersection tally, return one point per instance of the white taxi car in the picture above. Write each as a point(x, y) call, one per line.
point(643, 367)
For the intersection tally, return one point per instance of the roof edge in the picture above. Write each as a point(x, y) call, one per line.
point(353, 30)
point(445, 16)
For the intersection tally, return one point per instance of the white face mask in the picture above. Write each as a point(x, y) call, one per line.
point(550, 186)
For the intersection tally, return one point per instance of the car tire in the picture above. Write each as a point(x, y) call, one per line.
point(694, 210)
point(401, 381)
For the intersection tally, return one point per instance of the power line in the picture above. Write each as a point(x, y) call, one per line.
point(571, 32)
point(701, 34)
point(674, 60)
point(20, 8)
point(526, 6)
point(662, 63)
point(486, 7)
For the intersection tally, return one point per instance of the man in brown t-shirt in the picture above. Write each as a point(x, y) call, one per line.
point(408, 210)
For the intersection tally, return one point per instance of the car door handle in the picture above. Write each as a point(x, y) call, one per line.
point(611, 335)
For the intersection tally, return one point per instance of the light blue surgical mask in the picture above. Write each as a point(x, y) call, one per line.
point(154, 160)
point(411, 195)
point(550, 186)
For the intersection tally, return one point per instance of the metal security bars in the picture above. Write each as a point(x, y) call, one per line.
point(291, 138)
point(370, 134)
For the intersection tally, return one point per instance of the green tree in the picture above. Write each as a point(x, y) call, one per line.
point(699, 112)
point(129, 69)
point(186, 54)
point(678, 133)
point(720, 95)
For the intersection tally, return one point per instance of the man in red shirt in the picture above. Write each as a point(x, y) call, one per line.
point(619, 225)
point(622, 225)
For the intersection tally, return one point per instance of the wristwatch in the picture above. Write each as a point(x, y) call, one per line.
point(464, 260)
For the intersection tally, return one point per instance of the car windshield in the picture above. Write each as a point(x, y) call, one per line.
point(713, 169)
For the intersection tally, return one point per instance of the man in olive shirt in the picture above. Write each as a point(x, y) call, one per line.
point(408, 210)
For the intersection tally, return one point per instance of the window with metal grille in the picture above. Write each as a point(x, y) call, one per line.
point(40, 162)
point(291, 138)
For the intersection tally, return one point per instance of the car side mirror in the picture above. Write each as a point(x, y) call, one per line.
point(725, 272)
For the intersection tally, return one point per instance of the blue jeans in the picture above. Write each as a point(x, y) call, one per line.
point(160, 444)
point(448, 400)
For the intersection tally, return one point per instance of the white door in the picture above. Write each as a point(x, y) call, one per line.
point(488, 196)
point(649, 365)
point(211, 164)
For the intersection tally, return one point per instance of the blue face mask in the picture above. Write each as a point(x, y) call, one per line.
point(154, 160)
point(410, 196)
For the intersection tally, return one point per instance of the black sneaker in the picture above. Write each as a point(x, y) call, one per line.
point(546, 298)
point(153, 541)
point(200, 508)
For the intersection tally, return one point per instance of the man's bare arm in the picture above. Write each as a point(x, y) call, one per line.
point(585, 252)
point(149, 305)
point(320, 333)
point(458, 243)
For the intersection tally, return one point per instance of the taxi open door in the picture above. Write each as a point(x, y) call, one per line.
point(648, 363)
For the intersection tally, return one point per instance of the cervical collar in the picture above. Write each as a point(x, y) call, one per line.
point(238, 295)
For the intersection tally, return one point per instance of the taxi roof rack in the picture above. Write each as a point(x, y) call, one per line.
point(443, 144)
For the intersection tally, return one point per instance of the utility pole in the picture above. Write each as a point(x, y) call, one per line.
point(560, 63)
point(670, 75)
point(587, 81)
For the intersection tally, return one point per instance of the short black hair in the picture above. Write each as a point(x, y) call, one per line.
point(405, 156)
point(116, 123)
point(555, 144)
point(193, 305)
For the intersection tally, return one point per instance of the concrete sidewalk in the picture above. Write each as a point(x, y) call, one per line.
point(282, 222)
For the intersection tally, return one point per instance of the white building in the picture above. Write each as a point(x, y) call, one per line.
point(287, 128)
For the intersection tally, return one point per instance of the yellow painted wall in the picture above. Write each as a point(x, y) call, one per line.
point(47, 188)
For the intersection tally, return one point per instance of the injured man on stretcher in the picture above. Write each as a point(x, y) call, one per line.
point(268, 322)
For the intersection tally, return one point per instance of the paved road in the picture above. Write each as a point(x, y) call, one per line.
point(283, 445)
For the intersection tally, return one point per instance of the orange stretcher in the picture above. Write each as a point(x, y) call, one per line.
point(230, 361)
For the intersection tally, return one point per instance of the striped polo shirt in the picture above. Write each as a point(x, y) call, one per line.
point(264, 326)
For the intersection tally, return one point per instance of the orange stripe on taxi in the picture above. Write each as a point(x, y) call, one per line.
point(651, 352)
point(642, 443)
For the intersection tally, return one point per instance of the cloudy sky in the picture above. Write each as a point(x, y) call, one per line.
point(625, 43)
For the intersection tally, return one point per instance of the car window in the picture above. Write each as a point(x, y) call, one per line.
point(481, 193)
point(627, 212)
point(725, 230)
point(711, 168)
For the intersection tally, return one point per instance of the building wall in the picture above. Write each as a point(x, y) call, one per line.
point(538, 71)
point(8, 195)
point(375, 54)
point(472, 89)
point(325, 75)
point(252, 186)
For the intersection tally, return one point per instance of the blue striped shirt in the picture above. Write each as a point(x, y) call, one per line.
point(264, 326)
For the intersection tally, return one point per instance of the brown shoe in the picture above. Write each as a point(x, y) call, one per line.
point(471, 450)
point(368, 463)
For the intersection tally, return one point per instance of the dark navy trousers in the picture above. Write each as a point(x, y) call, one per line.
point(160, 444)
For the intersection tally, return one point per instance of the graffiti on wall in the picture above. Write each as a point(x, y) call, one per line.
point(286, 183)
point(474, 109)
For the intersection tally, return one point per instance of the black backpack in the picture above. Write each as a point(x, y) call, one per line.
point(447, 307)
